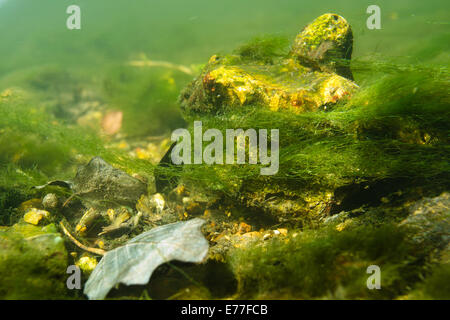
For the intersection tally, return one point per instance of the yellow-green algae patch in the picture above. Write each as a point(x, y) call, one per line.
point(314, 75)
point(325, 43)
point(305, 91)
point(331, 263)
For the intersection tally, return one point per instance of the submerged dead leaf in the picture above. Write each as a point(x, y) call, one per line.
point(112, 122)
point(134, 262)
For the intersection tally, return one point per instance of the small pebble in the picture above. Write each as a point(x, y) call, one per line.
point(35, 216)
point(50, 201)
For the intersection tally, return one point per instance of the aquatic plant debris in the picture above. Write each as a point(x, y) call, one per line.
point(100, 185)
point(134, 262)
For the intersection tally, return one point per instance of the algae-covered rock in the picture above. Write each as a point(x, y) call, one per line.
point(335, 154)
point(33, 262)
point(325, 44)
point(429, 222)
point(315, 75)
point(50, 201)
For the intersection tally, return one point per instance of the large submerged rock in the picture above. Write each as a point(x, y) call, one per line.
point(315, 75)
point(430, 221)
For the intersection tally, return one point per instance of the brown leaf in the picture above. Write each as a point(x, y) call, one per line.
point(112, 122)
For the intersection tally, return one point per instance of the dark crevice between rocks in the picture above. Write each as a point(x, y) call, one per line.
point(10, 198)
point(370, 194)
point(178, 280)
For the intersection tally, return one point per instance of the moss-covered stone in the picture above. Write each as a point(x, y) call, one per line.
point(430, 222)
point(312, 77)
point(326, 44)
point(33, 262)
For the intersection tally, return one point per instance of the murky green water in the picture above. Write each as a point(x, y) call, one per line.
point(34, 32)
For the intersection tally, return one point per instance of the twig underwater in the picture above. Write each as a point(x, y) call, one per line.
point(79, 244)
point(165, 64)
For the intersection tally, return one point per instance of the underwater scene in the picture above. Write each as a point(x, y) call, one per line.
point(224, 150)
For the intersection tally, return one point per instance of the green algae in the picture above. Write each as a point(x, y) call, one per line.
point(263, 49)
point(148, 98)
point(394, 128)
point(327, 263)
point(37, 147)
point(432, 288)
point(10, 199)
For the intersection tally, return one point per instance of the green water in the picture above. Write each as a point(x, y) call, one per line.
point(34, 33)
point(35, 41)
